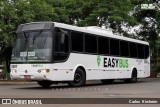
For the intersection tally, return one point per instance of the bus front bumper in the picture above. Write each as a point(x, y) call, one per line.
point(29, 76)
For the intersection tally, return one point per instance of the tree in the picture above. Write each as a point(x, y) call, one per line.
point(60, 9)
point(15, 12)
point(109, 13)
point(149, 21)
point(114, 14)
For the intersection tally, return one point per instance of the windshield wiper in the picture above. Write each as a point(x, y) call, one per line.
point(36, 35)
point(26, 39)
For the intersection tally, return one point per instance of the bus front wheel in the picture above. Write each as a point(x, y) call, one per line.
point(45, 83)
point(79, 79)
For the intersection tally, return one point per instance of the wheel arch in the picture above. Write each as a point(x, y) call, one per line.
point(81, 67)
point(134, 69)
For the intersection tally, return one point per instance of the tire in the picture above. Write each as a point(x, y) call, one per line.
point(133, 78)
point(107, 81)
point(45, 83)
point(79, 79)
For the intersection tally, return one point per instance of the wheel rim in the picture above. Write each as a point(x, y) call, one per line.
point(77, 78)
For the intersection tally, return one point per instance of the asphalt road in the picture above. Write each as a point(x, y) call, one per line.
point(145, 88)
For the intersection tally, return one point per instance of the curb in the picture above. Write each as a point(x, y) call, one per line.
point(14, 82)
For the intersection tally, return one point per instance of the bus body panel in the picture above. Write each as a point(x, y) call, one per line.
point(64, 71)
point(97, 66)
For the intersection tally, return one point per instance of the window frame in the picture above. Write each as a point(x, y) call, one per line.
point(53, 50)
point(97, 45)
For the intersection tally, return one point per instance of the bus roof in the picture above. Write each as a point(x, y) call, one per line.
point(90, 29)
point(97, 31)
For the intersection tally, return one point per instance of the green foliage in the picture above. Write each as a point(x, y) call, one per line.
point(60, 10)
point(15, 12)
point(150, 24)
point(113, 14)
point(155, 68)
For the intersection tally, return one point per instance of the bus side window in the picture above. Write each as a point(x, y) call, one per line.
point(133, 50)
point(77, 41)
point(146, 51)
point(140, 51)
point(103, 45)
point(114, 47)
point(124, 49)
point(61, 50)
point(90, 43)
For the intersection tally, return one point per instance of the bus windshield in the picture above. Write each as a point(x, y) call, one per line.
point(32, 46)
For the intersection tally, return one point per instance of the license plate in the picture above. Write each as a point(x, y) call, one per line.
point(27, 77)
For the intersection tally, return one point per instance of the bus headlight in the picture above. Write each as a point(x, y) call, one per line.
point(13, 71)
point(43, 71)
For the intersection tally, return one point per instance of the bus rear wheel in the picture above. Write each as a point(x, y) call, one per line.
point(45, 83)
point(133, 78)
point(79, 79)
point(107, 81)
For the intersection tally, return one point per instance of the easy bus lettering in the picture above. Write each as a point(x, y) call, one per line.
point(115, 62)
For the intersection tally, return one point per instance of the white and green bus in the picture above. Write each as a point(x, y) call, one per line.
point(51, 52)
